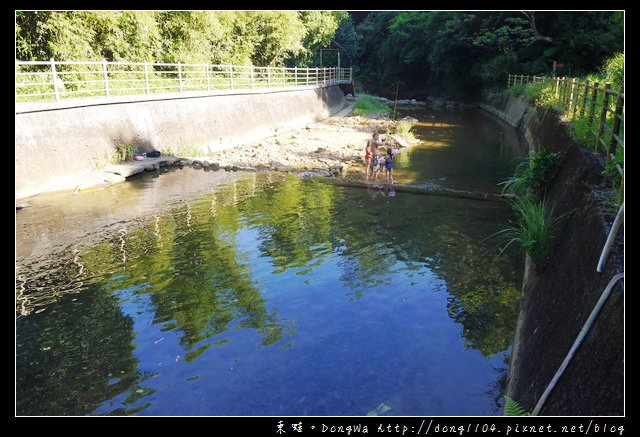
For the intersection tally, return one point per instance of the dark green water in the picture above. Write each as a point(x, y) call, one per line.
point(263, 294)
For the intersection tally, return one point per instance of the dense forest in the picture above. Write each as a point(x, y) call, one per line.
point(239, 37)
point(458, 53)
point(424, 53)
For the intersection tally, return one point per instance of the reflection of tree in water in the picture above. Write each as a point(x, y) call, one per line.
point(484, 293)
point(76, 354)
point(210, 286)
point(195, 278)
point(295, 222)
point(482, 299)
point(188, 263)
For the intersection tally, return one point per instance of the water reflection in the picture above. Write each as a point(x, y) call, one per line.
point(272, 295)
point(105, 327)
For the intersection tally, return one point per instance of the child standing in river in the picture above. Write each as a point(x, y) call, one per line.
point(388, 165)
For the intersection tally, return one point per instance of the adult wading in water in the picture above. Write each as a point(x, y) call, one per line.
point(371, 149)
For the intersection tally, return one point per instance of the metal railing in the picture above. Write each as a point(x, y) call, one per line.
point(57, 80)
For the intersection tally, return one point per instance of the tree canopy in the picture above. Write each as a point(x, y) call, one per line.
point(240, 37)
point(459, 53)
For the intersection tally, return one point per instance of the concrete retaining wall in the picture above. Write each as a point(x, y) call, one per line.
point(59, 142)
point(558, 300)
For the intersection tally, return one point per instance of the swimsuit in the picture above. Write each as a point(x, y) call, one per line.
point(389, 163)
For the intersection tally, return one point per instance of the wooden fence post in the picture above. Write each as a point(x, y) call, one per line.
point(566, 93)
point(603, 114)
point(616, 124)
point(584, 99)
point(571, 107)
point(180, 75)
point(592, 106)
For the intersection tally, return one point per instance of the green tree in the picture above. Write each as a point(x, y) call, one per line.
point(347, 38)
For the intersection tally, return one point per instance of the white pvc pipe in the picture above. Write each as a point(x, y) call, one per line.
point(612, 236)
point(577, 343)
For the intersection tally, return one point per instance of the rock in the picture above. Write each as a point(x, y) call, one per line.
point(322, 172)
point(278, 142)
point(410, 119)
point(380, 409)
point(398, 139)
point(197, 165)
point(321, 150)
point(214, 166)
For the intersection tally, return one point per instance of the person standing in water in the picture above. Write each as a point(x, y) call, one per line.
point(370, 150)
point(388, 165)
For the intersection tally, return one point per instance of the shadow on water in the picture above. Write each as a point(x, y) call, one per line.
point(272, 295)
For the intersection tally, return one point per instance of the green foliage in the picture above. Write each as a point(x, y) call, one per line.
point(240, 37)
point(403, 128)
point(517, 90)
point(614, 70)
point(124, 152)
point(366, 104)
point(183, 151)
point(533, 229)
point(534, 174)
point(459, 53)
point(512, 408)
point(347, 38)
point(611, 169)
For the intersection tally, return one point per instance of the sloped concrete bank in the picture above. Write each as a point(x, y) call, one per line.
point(558, 300)
point(58, 142)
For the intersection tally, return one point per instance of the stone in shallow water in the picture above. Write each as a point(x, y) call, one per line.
point(380, 409)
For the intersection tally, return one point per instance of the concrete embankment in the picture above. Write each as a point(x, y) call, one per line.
point(558, 300)
point(56, 143)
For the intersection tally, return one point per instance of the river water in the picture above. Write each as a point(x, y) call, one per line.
point(214, 293)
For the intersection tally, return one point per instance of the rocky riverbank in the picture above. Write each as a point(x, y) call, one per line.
point(327, 148)
point(332, 147)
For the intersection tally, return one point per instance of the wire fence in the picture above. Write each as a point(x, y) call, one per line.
point(57, 80)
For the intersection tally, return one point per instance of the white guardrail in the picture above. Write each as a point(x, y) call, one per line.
point(57, 80)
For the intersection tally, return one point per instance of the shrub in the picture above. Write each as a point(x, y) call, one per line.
point(534, 174)
point(124, 152)
point(403, 128)
point(533, 229)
